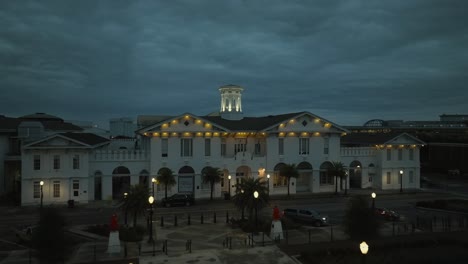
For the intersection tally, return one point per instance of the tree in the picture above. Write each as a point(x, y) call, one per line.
point(245, 198)
point(289, 171)
point(211, 175)
point(136, 201)
point(166, 177)
point(49, 237)
point(360, 223)
point(337, 170)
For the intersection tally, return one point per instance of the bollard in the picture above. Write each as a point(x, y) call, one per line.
point(188, 219)
point(331, 232)
point(94, 251)
point(252, 239)
point(227, 217)
point(201, 218)
point(154, 249)
point(263, 239)
point(162, 221)
point(214, 217)
point(139, 248)
point(175, 220)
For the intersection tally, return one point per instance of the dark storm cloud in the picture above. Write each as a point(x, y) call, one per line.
point(347, 61)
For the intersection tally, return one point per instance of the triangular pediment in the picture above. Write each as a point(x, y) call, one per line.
point(308, 123)
point(180, 124)
point(56, 141)
point(404, 139)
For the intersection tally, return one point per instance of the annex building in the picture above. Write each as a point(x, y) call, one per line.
point(81, 166)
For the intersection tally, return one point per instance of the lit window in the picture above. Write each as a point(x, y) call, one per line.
point(56, 189)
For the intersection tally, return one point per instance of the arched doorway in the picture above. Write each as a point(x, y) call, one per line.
point(144, 178)
point(355, 174)
point(279, 180)
point(186, 179)
point(242, 173)
point(305, 175)
point(98, 185)
point(120, 182)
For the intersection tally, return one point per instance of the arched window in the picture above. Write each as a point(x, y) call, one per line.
point(279, 180)
point(325, 177)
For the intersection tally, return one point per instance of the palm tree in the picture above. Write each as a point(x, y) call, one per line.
point(211, 175)
point(289, 171)
point(166, 177)
point(136, 201)
point(245, 198)
point(337, 170)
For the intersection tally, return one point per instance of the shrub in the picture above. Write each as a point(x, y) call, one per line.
point(131, 234)
point(360, 222)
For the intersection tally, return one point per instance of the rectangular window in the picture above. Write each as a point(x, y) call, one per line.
point(280, 146)
point(36, 189)
point(76, 162)
point(164, 147)
point(56, 189)
point(389, 177)
point(326, 142)
point(411, 154)
point(186, 147)
point(400, 154)
point(37, 162)
point(389, 154)
point(240, 146)
point(56, 162)
point(257, 148)
point(303, 146)
point(76, 187)
point(411, 177)
point(223, 147)
point(207, 147)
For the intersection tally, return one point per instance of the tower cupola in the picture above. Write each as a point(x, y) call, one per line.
point(231, 102)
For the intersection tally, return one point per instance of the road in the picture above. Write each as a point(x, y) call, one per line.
point(332, 206)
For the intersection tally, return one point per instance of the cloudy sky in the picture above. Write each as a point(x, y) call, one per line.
point(348, 61)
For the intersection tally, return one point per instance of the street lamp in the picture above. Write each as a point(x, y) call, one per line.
point(373, 201)
point(255, 194)
point(42, 193)
point(229, 178)
point(153, 181)
point(126, 207)
point(268, 183)
point(151, 200)
point(346, 182)
point(401, 181)
point(364, 249)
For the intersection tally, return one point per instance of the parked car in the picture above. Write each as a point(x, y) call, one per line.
point(306, 216)
point(387, 214)
point(186, 199)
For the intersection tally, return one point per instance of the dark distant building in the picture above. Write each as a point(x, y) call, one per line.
point(447, 139)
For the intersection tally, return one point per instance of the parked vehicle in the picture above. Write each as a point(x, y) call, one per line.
point(186, 199)
point(387, 214)
point(306, 216)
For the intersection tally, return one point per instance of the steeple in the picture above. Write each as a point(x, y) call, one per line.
point(231, 102)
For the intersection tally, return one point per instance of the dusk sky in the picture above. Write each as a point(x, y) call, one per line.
point(347, 61)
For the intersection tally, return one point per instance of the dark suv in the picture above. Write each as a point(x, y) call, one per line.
point(305, 215)
point(178, 199)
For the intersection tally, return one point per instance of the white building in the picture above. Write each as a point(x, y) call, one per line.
point(240, 146)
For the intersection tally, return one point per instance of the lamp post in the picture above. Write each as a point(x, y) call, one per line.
point(151, 200)
point(373, 195)
point(42, 193)
point(268, 183)
point(346, 183)
point(364, 249)
point(229, 178)
point(401, 181)
point(153, 181)
point(255, 194)
point(126, 208)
